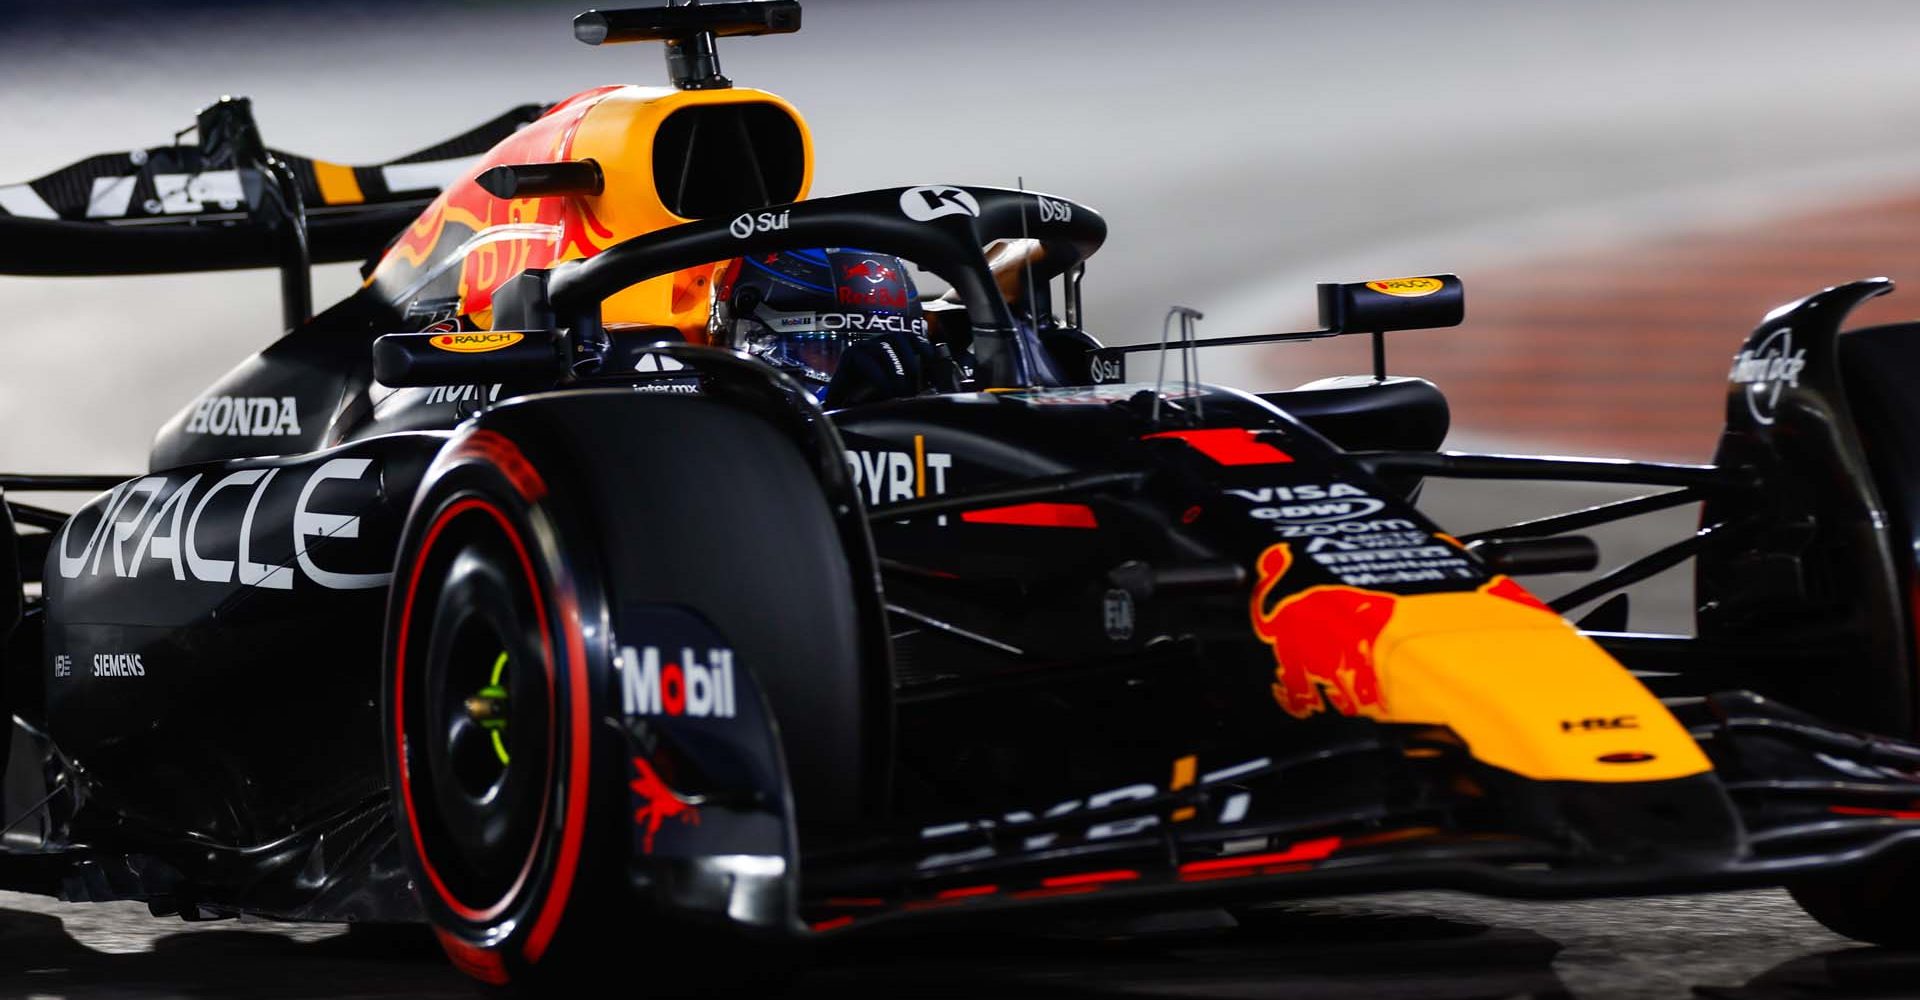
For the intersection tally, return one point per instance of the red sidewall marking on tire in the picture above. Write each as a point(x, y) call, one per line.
point(570, 833)
point(477, 962)
point(499, 451)
point(574, 826)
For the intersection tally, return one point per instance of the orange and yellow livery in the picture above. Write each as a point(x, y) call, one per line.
point(1500, 669)
point(468, 242)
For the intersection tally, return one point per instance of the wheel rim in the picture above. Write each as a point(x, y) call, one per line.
point(476, 724)
point(475, 711)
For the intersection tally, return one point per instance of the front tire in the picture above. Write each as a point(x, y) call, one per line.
point(539, 535)
point(489, 682)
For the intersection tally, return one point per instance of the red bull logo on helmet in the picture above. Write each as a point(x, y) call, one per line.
point(873, 284)
point(1323, 641)
point(872, 270)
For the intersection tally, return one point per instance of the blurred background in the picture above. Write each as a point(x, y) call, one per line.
point(1625, 188)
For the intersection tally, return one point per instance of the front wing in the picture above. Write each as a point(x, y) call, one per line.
point(1789, 797)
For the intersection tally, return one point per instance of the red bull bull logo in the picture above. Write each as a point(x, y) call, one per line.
point(1323, 641)
point(872, 270)
point(1521, 687)
point(658, 803)
point(873, 284)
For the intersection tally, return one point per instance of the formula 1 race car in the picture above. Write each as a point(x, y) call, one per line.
point(492, 598)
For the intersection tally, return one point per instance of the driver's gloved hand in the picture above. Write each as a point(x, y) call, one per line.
point(888, 366)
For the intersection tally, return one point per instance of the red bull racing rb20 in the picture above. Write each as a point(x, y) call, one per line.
point(507, 597)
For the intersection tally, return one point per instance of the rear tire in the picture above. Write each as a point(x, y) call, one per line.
point(528, 533)
point(1871, 903)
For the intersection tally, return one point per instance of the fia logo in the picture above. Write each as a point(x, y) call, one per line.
point(1117, 614)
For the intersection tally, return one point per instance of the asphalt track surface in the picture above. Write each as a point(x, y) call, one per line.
point(1625, 188)
point(1738, 946)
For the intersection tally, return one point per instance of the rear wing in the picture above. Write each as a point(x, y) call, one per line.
point(204, 206)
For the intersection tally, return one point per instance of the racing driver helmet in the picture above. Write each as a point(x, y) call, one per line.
point(798, 310)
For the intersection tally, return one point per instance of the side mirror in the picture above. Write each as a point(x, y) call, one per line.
point(1535, 556)
point(1374, 307)
point(1420, 303)
point(469, 357)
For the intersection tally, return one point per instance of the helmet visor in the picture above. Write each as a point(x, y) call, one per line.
point(812, 355)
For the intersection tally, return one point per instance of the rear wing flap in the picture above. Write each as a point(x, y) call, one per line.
point(189, 207)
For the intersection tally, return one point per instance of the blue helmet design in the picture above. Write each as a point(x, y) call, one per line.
point(799, 309)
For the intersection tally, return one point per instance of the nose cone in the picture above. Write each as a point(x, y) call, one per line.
point(1525, 691)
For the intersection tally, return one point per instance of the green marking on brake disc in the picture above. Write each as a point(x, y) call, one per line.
point(498, 694)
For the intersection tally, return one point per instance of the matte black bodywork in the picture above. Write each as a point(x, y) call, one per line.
point(1058, 615)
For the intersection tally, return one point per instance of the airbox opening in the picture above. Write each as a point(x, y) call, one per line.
point(722, 159)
